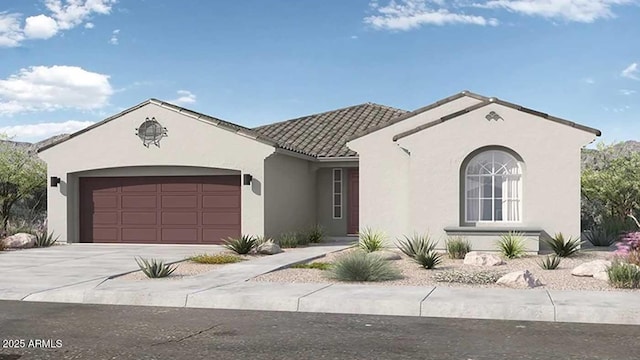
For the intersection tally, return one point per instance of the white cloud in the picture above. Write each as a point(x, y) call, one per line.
point(631, 72)
point(89, 25)
point(40, 27)
point(43, 130)
point(114, 37)
point(61, 15)
point(10, 32)
point(42, 88)
point(184, 97)
point(410, 14)
point(627, 92)
point(589, 81)
point(585, 11)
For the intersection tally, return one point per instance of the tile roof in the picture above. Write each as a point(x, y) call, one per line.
point(326, 134)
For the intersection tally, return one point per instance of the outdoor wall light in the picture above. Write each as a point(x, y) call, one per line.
point(55, 181)
point(246, 179)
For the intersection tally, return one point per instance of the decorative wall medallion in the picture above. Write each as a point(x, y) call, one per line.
point(151, 132)
point(493, 116)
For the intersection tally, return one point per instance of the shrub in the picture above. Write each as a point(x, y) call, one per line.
point(155, 268)
point(629, 248)
point(357, 266)
point(416, 244)
point(511, 245)
point(45, 239)
point(624, 275)
point(458, 247)
point(314, 265)
point(242, 245)
point(371, 240)
point(288, 240)
point(480, 277)
point(315, 234)
point(428, 260)
point(549, 262)
point(564, 247)
point(215, 258)
point(303, 238)
point(600, 237)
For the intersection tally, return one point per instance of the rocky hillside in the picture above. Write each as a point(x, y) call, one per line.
point(590, 157)
point(33, 147)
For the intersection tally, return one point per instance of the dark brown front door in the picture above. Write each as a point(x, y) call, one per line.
point(154, 209)
point(353, 202)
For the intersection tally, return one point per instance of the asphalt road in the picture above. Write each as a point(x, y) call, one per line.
point(72, 331)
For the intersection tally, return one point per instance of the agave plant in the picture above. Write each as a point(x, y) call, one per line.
point(428, 260)
point(600, 237)
point(564, 247)
point(371, 240)
point(549, 262)
point(511, 245)
point(154, 268)
point(416, 244)
point(242, 245)
point(45, 239)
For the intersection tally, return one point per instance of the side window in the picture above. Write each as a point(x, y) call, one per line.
point(337, 193)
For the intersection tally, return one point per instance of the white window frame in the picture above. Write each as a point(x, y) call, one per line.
point(337, 190)
point(493, 198)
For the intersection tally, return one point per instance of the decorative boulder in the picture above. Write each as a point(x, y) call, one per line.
point(386, 255)
point(269, 248)
point(602, 275)
point(476, 258)
point(592, 268)
point(19, 241)
point(519, 279)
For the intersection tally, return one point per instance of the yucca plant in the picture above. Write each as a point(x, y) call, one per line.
point(457, 247)
point(624, 275)
point(564, 247)
point(45, 239)
point(600, 237)
point(357, 266)
point(242, 245)
point(428, 260)
point(154, 268)
point(549, 262)
point(416, 244)
point(371, 240)
point(316, 234)
point(215, 258)
point(288, 240)
point(512, 245)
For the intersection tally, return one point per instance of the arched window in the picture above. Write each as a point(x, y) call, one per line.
point(493, 188)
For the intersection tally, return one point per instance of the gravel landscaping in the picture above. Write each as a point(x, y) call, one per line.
point(414, 275)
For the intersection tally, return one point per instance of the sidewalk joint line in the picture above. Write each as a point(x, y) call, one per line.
point(311, 293)
point(425, 298)
point(555, 314)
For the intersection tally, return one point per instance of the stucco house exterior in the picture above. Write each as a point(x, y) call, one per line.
point(466, 165)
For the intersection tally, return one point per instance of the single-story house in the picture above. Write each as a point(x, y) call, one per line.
point(466, 165)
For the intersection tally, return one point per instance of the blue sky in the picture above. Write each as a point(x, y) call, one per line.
point(65, 64)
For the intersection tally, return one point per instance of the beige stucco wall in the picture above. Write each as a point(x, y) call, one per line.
point(191, 144)
point(430, 175)
point(289, 195)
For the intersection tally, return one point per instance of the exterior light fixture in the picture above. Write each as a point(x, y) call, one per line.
point(54, 181)
point(246, 179)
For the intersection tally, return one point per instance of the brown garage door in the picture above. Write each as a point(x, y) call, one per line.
point(150, 209)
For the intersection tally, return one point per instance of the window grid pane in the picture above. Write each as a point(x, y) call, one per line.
point(337, 194)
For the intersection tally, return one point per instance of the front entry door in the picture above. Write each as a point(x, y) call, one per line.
point(353, 212)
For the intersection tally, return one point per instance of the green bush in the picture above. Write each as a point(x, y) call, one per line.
point(215, 258)
point(428, 260)
point(155, 268)
point(600, 236)
point(357, 266)
point(371, 240)
point(457, 247)
point(549, 262)
point(416, 244)
point(564, 247)
point(624, 275)
point(511, 245)
point(45, 239)
point(313, 265)
point(242, 245)
point(288, 240)
point(480, 277)
point(303, 238)
point(315, 234)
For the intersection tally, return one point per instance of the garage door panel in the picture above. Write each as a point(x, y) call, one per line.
point(180, 218)
point(139, 218)
point(223, 218)
point(220, 201)
point(178, 209)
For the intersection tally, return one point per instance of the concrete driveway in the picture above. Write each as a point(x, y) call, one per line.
point(26, 272)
